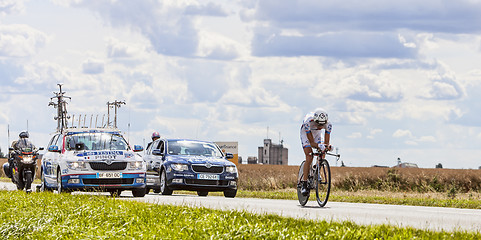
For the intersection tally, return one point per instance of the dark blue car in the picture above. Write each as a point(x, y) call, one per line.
point(181, 164)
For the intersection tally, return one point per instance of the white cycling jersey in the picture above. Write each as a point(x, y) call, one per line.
point(308, 125)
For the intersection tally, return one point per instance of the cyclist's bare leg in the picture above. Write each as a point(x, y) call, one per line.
point(307, 165)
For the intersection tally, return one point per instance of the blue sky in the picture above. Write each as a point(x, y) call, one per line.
point(398, 79)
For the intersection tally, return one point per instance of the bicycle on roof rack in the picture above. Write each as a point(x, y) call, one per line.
point(319, 178)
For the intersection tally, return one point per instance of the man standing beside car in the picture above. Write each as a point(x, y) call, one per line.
point(155, 136)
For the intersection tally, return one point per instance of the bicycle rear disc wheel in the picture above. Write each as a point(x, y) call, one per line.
point(323, 182)
point(302, 199)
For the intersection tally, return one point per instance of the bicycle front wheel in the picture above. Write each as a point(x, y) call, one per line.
point(302, 199)
point(323, 182)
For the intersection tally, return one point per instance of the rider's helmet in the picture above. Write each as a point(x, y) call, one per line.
point(23, 134)
point(320, 116)
point(155, 135)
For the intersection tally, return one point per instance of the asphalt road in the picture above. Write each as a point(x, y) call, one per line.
point(431, 218)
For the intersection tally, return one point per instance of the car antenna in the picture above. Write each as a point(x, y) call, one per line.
point(61, 106)
point(115, 104)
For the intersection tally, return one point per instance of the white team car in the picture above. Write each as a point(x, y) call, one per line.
point(92, 159)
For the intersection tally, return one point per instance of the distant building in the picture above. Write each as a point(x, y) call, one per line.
point(274, 154)
point(251, 160)
point(381, 166)
point(405, 164)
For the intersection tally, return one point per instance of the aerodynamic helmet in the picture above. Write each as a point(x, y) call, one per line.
point(320, 116)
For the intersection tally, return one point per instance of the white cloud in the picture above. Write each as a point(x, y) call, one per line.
point(345, 44)
point(43, 75)
point(216, 46)
point(443, 90)
point(355, 135)
point(427, 139)
point(369, 87)
point(459, 16)
point(402, 133)
point(411, 139)
point(410, 142)
point(11, 6)
point(170, 26)
point(118, 49)
point(352, 28)
point(92, 66)
point(20, 40)
point(209, 9)
point(374, 132)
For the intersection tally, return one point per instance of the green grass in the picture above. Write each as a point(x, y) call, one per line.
point(439, 200)
point(373, 197)
point(52, 216)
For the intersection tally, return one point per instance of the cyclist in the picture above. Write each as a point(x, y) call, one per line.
point(311, 130)
point(155, 136)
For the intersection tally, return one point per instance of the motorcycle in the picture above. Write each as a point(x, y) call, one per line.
point(23, 168)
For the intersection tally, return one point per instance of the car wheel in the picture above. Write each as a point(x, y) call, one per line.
point(164, 189)
point(147, 190)
point(230, 193)
point(139, 192)
point(156, 190)
point(202, 193)
point(60, 188)
point(43, 186)
point(115, 193)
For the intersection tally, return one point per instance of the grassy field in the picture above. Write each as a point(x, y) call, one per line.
point(353, 179)
point(420, 180)
point(52, 216)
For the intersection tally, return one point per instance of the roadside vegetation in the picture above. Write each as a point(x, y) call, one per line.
point(420, 180)
point(460, 188)
point(53, 216)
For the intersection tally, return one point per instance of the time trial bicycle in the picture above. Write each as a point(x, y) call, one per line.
point(319, 178)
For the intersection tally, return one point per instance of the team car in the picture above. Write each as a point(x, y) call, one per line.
point(181, 164)
point(92, 159)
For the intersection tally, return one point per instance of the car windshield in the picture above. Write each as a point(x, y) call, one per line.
point(184, 147)
point(96, 141)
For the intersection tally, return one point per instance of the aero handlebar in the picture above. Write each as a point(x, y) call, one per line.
point(327, 153)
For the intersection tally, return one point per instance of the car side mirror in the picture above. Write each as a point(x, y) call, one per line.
point(53, 148)
point(40, 148)
point(79, 146)
point(157, 152)
point(229, 155)
point(138, 148)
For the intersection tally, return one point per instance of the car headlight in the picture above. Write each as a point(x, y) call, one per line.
point(231, 169)
point(77, 165)
point(179, 167)
point(26, 159)
point(136, 165)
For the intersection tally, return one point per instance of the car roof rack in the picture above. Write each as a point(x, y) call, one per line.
point(59, 101)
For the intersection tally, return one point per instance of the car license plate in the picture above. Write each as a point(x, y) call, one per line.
point(109, 175)
point(208, 176)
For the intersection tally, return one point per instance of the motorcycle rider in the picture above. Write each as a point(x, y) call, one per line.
point(155, 136)
point(19, 144)
point(312, 125)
